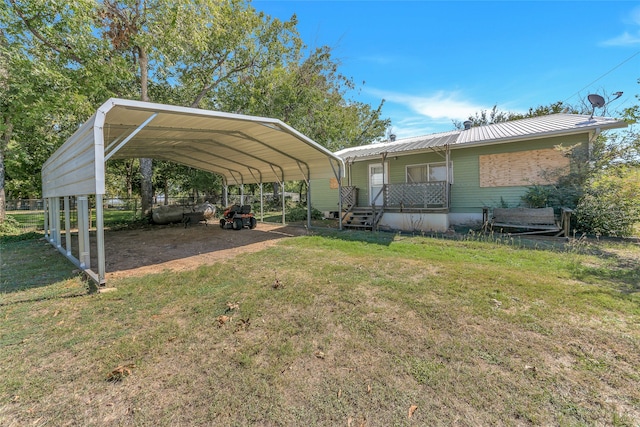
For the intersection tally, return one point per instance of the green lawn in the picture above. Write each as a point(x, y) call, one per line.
point(337, 329)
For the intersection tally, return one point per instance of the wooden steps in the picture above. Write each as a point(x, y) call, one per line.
point(361, 218)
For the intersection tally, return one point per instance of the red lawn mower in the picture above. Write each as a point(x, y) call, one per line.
point(238, 217)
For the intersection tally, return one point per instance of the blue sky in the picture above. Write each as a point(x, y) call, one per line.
point(435, 62)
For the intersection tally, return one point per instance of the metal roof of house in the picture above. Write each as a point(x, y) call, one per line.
point(404, 145)
point(499, 133)
point(243, 149)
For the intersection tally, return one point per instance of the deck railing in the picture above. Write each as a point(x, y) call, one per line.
point(349, 196)
point(425, 195)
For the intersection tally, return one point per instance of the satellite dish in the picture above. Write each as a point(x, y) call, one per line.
point(596, 102)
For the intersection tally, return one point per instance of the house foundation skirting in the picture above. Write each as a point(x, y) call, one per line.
point(418, 221)
point(466, 219)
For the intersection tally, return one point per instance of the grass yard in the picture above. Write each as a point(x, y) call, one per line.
point(336, 329)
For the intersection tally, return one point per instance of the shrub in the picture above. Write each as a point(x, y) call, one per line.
point(9, 226)
point(538, 196)
point(299, 213)
point(611, 204)
point(10, 231)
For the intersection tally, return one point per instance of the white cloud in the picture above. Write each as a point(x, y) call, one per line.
point(441, 106)
point(635, 16)
point(409, 126)
point(625, 39)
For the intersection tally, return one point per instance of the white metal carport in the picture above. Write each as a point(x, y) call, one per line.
point(242, 149)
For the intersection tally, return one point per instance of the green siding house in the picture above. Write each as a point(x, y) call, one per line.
point(433, 182)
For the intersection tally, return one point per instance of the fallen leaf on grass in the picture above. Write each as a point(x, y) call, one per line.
point(232, 306)
point(120, 372)
point(222, 320)
point(412, 409)
point(277, 284)
point(243, 324)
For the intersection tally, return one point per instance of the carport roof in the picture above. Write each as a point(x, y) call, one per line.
point(243, 149)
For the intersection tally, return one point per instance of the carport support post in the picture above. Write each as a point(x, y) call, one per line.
point(283, 219)
point(83, 232)
point(56, 223)
point(308, 204)
point(261, 204)
point(225, 195)
point(52, 221)
point(67, 226)
point(46, 219)
point(100, 238)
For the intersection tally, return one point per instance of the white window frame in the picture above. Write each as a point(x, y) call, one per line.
point(428, 166)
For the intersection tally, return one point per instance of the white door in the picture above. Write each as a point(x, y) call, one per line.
point(377, 178)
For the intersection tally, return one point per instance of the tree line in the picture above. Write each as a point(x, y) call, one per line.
point(62, 59)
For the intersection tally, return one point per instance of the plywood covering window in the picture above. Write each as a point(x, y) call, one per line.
point(522, 168)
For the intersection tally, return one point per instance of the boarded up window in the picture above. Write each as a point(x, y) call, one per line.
point(522, 168)
point(333, 183)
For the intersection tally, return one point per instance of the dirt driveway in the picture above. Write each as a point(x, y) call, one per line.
point(173, 247)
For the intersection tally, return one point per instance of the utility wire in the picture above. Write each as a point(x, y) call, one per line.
point(608, 72)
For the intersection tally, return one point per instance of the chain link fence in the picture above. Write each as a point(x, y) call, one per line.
point(29, 213)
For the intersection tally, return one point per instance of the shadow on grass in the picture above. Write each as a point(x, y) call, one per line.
point(375, 237)
point(31, 262)
point(621, 270)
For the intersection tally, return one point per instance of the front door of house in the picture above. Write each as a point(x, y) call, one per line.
point(378, 176)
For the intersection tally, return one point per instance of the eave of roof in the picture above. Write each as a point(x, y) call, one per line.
point(401, 146)
point(498, 133)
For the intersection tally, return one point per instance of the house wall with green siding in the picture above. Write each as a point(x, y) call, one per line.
point(466, 194)
point(323, 197)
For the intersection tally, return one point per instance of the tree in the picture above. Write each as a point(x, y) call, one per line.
point(495, 115)
point(205, 53)
point(48, 88)
point(610, 204)
point(310, 94)
point(201, 45)
point(39, 107)
point(610, 200)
